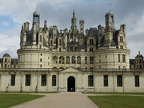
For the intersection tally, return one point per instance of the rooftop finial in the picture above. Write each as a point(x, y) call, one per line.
point(73, 13)
point(36, 7)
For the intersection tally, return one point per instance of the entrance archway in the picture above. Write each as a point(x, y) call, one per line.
point(71, 84)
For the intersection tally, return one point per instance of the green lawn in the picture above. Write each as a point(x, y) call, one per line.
point(117, 101)
point(127, 93)
point(7, 100)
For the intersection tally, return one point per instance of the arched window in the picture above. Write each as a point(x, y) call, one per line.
point(71, 48)
point(75, 48)
point(90, 80)
point(53, 80)
point(85, 60)
point(61, 60)
point(67, 60)
point(78, 60)
point(73, 60)
point(55, 59)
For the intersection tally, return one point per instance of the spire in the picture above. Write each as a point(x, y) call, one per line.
point(73, 21)
point(139, 52)
point(36, 7)
point(73, 14)
point(110, 7)
point(45, 24)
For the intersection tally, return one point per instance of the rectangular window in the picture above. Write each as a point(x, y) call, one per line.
point(118, 57)
point(105, 80)
point(137, 81)
point(121, 47)
point(51, 43)
point(40, 60)
point(91, 60)
point(119, 81)
point(91, 42)
point(85, 60)
point(91, 49)
point(121, 39)
point(27, 80)
point(40, 66)
point(43, 80)
point(90, 80)
point(60, 41)
point(12, 80)
point(59, 49)
point(54, 80)
point(123, 58)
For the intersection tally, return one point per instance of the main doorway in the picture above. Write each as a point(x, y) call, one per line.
point(71, 84)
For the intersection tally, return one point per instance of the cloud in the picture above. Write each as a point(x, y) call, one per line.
point(59, 12)
point(5, 23)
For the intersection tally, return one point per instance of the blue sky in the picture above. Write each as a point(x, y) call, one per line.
point(59, 12)
point(6, 23)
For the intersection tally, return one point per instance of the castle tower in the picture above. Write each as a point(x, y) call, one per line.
point(109, 23)
point(73, 21)
point(36, 18)
point(81, 23)
point(35, 26)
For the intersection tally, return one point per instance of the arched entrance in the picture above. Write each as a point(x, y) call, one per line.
point(71, 84)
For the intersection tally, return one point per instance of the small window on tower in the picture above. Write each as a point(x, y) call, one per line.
point(91, 42)
point(40, 38)
point(59, 49)
point(51, 42)
point(60, 41)
point(121, 39)
point(121, 47)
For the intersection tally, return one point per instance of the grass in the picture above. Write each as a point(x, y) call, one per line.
point(7, 100)
point(117, 101)
point(127, 93)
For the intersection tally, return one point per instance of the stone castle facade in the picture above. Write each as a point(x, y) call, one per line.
point(96, 59)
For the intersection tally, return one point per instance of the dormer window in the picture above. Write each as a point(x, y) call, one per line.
point(121, 39)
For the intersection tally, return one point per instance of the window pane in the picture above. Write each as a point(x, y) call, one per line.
point(28, 80)
point(90, 80)
point(54, 80)
point(105, 80)
point(119, 80)
point(12, 80)
point(43, 80)
point(136, 81)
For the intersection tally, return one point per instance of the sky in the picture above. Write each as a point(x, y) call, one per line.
point(13, 13)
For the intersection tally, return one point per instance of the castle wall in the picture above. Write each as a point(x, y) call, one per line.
point(81, 81)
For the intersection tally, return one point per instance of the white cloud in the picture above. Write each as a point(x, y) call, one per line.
point(5, 23)
point(59, 12)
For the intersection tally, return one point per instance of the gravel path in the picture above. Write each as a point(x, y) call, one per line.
point(60, 100)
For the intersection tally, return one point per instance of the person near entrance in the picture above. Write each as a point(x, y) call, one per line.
point(71, 89)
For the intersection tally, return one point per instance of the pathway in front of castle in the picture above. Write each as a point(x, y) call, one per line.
point(60, 100)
